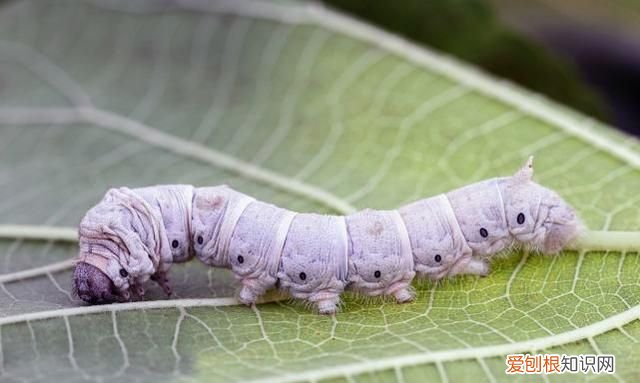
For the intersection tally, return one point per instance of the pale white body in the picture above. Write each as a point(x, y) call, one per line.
point(316, 257)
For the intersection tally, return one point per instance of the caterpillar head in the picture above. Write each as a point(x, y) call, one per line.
point(104, 273)
point(93, 286)
point(536, 216)
point(122, 245)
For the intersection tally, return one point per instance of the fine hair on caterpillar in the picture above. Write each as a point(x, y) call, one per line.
point(134, 235)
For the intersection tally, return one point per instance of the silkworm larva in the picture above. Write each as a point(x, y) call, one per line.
point(134, 235)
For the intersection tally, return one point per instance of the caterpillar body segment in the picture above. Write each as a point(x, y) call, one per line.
point(174, 203)
point(380, 258)
point(133, 235)
point(438, 245)
point(216, 211)
point(314, 263)
point(256, 248)
point(479, 211)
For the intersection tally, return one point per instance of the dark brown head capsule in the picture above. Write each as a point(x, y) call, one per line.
point(93, 286)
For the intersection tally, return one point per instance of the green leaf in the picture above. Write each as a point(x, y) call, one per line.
point(314, 111)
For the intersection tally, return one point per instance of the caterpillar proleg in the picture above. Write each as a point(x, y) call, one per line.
point(133, 235)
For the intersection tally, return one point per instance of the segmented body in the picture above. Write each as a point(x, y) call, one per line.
point(317, 257)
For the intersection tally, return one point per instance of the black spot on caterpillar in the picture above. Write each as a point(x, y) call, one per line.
point(134, 235)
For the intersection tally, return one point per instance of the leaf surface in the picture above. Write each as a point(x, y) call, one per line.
point(308, 109)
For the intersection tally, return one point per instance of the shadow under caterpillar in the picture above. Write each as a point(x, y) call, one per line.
point(134, 235)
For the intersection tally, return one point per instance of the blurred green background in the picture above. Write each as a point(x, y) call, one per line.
point(580, 53)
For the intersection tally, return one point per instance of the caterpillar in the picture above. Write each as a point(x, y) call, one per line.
point(133, 235)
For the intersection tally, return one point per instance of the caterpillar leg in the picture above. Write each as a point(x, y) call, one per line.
point(254, 288)
point(249, 295)
point(477, 267)
point(162, 279)
point(404, 295)
point(138, 291)
point(402, 292)
point(93, 286)
point(327, 306)
point(246, 296)
point(326, 302)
